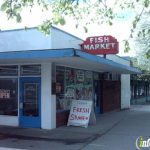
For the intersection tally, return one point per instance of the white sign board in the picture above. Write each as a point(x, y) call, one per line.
point(80, 113)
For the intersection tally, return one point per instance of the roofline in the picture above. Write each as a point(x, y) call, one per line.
point(122, 57)
point(19, 29)
point(32, 28)
point(37, 50)
point(66, 32)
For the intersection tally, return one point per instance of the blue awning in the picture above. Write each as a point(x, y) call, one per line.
point(64, 54)
point(108, 62)
point(35, 54)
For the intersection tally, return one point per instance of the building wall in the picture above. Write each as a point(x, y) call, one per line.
point(18, 40)
point(48, 101)
point(32, 39)
point(125, 81)
point(110, 95)
point(63, 39)
point(62, 118)
point(9, 120)
point(125, 91)
point(118, 59)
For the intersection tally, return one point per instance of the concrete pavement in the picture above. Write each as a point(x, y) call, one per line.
point(113, 131)
point(123, 136)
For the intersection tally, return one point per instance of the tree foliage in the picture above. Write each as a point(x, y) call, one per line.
point(141, 42)
point(83, 12)
point(142, 36)
point(144, 67)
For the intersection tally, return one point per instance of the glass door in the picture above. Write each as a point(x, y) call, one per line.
point(30, 102)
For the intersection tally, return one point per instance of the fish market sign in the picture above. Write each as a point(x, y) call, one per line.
point(100, 45)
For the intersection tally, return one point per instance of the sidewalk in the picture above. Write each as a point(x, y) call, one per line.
point(68, 137)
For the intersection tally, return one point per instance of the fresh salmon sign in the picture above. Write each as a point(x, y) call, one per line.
point(80, 113)
point(100, 45)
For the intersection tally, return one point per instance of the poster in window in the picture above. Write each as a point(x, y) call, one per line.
point(88, 74)
point(79, 94)
point(60, 73)
point(8, 96)
point(70, 76)
point(96, 76)
point(88, 77)
point(88, 94)
point(58, 88)
point(83, 92)
point(70, 93)
point(4, 94)
point(80, 76)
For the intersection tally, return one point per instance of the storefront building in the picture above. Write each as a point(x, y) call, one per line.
point(41, 75)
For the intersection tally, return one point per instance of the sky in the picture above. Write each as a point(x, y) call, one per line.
point(120, 29)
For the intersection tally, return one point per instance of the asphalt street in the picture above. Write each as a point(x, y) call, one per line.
point(114, 131)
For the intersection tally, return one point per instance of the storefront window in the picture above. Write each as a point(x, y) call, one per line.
point(72, 84)
point(8, 70)
point(80, 90)
point(60, 75)
point(84, 85)
point(88, 85)
point(27, 70)
point(9, 97)
point(69, 87)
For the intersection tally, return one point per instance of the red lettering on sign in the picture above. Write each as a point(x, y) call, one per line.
point(82, 110)
point(77, 117)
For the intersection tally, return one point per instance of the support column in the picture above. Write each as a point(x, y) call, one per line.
point(125, 91)
point(48, 101)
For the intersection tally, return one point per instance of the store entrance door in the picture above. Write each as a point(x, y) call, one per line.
point(30, 102)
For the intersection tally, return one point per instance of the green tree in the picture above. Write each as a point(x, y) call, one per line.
point(144, 67)
point(142, 42)
point(83, 12)
point(79, 10)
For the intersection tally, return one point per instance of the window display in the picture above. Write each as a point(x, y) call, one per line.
point(69, 87)
point(80, 76)
point(9, 97)
point(84, 87)
point(72, 84)
point(60, 74)
point(69, 76)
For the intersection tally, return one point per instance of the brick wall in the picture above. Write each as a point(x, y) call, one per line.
point(62, 118)
point(111, 95)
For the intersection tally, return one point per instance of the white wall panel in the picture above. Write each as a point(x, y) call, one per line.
point(48, 104)
point(125, 91)
point(9, 120)
point(18, 40)
point(61, 39)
